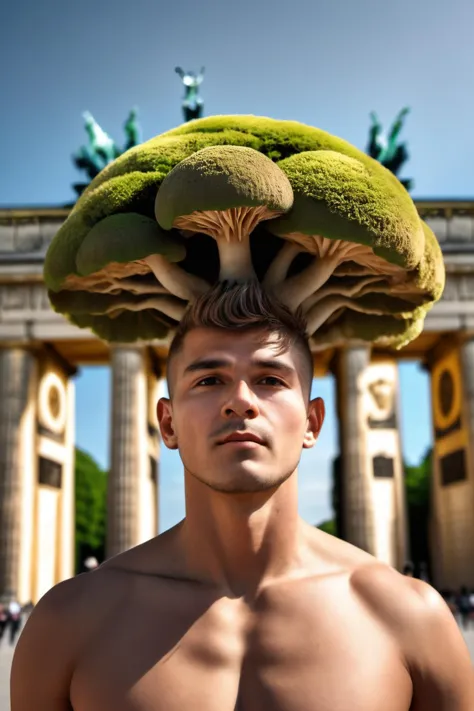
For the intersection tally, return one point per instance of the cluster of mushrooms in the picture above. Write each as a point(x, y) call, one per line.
point(322, 226)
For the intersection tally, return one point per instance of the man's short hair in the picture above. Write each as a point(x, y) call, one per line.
point(245, 306)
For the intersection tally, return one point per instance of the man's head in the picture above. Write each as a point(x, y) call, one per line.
point(240, 366)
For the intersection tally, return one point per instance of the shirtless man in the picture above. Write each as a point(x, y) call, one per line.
point(241, 606)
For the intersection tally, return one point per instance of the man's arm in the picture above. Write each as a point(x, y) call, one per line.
point(439, 662)
point(43, 660)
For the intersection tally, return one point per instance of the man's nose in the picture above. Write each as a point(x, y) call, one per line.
point(241, 401)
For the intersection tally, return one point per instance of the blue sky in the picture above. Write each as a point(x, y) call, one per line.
point(326, 64)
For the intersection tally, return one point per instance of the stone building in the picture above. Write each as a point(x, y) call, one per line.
point(39, 355)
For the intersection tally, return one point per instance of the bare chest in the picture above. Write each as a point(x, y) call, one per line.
point(284, 658)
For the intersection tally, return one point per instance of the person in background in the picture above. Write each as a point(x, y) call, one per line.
point(464, 606)
point(3, 619)
point(14, 620)
point(409, 569)
point(90, 563)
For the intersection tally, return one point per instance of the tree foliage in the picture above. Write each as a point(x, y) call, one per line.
point(91, 508)
point(418, 487)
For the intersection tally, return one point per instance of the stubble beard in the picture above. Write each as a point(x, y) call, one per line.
point(249, 486)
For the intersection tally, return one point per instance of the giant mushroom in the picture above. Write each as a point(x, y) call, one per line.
point(224, 192)
point(371, 254)
point(334, 234)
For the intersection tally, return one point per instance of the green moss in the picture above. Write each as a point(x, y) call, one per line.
point(131, 182)
point(279, 138)
point(220, 178)
point(387, 331)
point(122, 194)
point(125, 238)
point(341, 197)
point(162, 153)
point(431, 274)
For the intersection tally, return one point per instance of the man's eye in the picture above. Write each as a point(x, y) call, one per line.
point(270, 380)
point(210, 380)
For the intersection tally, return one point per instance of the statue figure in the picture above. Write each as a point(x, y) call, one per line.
point(192, 103)
point(132, 130)
point(385, 149)
point(101, 149)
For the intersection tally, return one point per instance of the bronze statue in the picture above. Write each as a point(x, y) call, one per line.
point(132, 130)
point(385, 149)
point(193, 104)
point(101, 149)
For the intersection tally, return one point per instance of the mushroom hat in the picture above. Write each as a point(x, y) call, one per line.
point(323, 226)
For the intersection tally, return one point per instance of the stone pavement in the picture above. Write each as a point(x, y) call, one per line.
point(6, 657)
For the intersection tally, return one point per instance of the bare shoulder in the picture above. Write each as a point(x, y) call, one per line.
point(65, 614)
point(67, 620)
point(428, 636)
point(47, 649)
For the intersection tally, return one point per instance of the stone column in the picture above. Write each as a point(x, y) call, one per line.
point(129, 456)
point(356, 494)
point(16, 378)
point(467, 372)
point(452, 524)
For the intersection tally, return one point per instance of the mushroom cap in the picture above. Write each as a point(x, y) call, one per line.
point(355, 327)
point(344, 198)
point(127, 327)
point(123, 238)
point(77, 304)
point(130, 182)
point(220, 178)
point(430, 272)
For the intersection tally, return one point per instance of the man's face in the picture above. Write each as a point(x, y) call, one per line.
point(229, 386)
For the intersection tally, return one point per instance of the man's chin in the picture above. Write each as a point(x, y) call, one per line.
point(244, 482)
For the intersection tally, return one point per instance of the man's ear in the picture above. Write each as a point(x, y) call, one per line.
point(316, 412)
point(165, 421)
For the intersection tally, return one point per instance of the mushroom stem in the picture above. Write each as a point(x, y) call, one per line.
point(278, 269)
point(231, 229)
point(297, 288)
point(178, 282)
point(320, 312)
point(235, 260)
point(341, 290)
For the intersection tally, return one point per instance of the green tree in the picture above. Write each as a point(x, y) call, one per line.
point(418, 487)
point(91, 508)
point(328, 526)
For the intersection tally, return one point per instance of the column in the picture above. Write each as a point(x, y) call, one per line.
point(129, 448)
point(467, 370)
point(452, 525)
point(17, 370)
point(53, 534)
point(150, 523)
point(356, 495)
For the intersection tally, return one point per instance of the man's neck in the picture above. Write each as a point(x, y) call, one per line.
point(242, 541)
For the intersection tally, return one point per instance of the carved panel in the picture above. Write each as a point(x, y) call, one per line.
point(50, 473)
point(439, 225)
point(466, 287)
point(22, 235)
point(381, 403)
point(450, 292)
point(17, 299)
point(28, 237)
point(383, 467)
point(460, 228)
point(7, 237)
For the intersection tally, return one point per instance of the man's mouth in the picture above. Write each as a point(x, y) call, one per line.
point(242, 437)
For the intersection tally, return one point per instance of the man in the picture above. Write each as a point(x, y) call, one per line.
point(241, 605)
